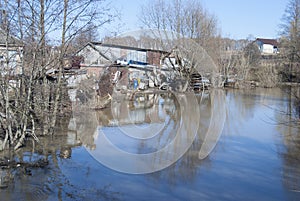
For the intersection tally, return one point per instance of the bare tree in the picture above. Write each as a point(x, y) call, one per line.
point(30, 102)
point(289, 115)
point(290, 42)
point(83, 37)
point(189, 19)
point(186, 27)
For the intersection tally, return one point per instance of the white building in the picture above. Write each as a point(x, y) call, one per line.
point(11, 54)
point(267, 46)
point(97, 56)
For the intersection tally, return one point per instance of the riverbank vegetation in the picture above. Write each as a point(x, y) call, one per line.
point(240, 63)
point(32, 102)
point(34, 105)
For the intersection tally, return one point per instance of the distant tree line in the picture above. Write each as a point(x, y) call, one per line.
point(190, 20)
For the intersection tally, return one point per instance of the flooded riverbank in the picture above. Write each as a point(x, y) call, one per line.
point(177, 147)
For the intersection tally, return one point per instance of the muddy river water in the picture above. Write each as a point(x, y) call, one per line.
point(217, 145)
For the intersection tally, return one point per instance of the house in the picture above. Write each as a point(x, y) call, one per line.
point(138, 68)
point(97, 56)
point(267, 46)
point(11, 54)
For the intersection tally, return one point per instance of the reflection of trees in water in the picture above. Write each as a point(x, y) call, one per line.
point(28, 164)
point(141, 108)
point(146, 108)
point(244, 102)
point(288, 124)
point(187, 167)
point(176, 134)
point(286, 112)
point(293, 106)
point(171, 108)
point(160, 110)
point(291, 165)
point(86, 125)
point(291, 156)
point(48, 181)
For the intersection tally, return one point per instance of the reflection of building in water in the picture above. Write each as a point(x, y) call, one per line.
point(144, 108)
point(84, 125)
point(149, 147)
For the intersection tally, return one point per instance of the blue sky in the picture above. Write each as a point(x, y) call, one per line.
point(237, 19)
point(240, 18)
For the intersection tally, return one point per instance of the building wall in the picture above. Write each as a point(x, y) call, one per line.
point(268, 49)
point(93, 71)
point(15, 56)
point(104, 54)
point(114, 53)
point(153, 58)
point(92, 57)
point(110, 52)
point(139, 56)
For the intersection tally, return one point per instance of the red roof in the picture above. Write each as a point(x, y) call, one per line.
point(268, 41)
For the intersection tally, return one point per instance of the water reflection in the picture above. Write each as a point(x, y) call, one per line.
point(256, 157)
point(150, 132)
point(287, 118)
point(274, 108)
point(37, 172)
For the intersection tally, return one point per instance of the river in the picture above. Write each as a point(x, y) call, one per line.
point(217, 145)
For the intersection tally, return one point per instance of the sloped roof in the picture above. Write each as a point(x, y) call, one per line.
point(96, 45)
point(126, 47)
point(12, 41)
point(268, 41)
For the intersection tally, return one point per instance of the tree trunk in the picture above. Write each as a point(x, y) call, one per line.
point(59, 82)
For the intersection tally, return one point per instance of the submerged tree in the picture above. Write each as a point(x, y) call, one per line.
point(290, 114)
point(290, 39)
point(30, 102)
